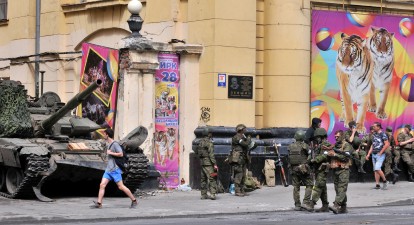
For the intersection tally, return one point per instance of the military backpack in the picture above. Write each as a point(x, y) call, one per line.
point(296, 154)
point(202, 148)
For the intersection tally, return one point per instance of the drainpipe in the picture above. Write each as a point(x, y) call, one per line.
point(37, 48)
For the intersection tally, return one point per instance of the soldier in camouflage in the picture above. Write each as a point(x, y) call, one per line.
point(238, 158)
point(205, 151)
point(388, 156)
point(340, 162)
point(359, 156)
point(319, 161)
point(299, 169)
point(405, 141)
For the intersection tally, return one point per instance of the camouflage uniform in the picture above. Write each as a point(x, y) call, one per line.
point(359, 155)
point(299, 169)
point(388, 154)
point(321, 164)
point(205, 152)
point(407, 153)
point(240, 147)
point(340, 165)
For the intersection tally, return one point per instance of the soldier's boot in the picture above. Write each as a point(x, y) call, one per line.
point(239, 194)
point(396, 169)
point(361, 169)
point(343, 209)
point(324, 208)
point(394, 178)
point(410, 178)
point(308, 206)
point(245, 193)
point(297, 208)
point(335, 208)
point(213, 197)
point(204, 197)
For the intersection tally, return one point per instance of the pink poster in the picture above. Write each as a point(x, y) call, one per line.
point(99, 62)
point(167, 88)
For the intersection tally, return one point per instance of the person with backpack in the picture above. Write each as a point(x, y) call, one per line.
point(205, 151)
point(112, 171)
point(298, 153)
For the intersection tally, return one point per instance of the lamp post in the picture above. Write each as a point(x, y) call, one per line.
point(135, 21)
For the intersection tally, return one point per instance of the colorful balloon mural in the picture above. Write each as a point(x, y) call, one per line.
point(327, 27)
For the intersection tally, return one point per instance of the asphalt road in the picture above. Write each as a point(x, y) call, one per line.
point(390, 215)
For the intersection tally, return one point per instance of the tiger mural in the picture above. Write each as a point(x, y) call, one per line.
point(381, 49)
point(354, 70)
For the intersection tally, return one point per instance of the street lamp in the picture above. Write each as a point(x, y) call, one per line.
point(135, 21)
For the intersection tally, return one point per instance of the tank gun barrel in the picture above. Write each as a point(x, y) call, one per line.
point(70, 105)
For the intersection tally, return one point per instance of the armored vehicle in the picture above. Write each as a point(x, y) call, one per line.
point(41, 141)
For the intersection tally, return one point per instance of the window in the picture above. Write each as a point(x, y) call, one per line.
point(3, 9)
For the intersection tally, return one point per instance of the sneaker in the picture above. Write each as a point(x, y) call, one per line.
point(96, 205)
point(134, 204)
point(385, 185)
point(377, 187)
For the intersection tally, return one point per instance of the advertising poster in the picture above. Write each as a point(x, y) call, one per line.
point(167, 88)
point(99, 62)
point(362, 70)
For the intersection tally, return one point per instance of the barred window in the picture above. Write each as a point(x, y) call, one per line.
point(3, 9)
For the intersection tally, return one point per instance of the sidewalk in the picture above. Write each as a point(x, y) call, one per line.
point(176, 203)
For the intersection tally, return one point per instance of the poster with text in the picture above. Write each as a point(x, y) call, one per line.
point(362, 70)
point(167, 88)
point(99, 62)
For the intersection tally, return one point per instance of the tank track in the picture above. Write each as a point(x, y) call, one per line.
point(35, 164)
point(137, 171)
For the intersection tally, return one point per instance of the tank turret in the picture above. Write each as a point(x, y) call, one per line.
point(45, 126)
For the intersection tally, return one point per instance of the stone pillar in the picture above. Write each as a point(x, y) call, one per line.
point(136, 94)
point(135, 105)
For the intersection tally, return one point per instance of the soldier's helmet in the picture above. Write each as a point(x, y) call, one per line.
point(321, 132)
point(240, 127)
point(388, 129)
point(300, 135)
point(205, 131)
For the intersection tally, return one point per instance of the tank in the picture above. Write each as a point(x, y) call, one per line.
point(40, 141)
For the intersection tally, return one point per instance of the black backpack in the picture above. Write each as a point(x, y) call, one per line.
point(121, 162)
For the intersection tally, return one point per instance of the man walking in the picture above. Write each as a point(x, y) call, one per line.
point(240, 149)
point(405, 141)
point(299, 169)
point(379, 144)
point(112, 171)
point(205, 151)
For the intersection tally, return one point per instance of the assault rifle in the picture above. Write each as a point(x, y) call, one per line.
point(279, 163)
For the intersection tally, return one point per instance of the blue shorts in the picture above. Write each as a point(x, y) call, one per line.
point(377, 161)
point(115, 175)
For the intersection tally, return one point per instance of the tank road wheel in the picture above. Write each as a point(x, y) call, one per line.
point(14, 178)
point(2, 178)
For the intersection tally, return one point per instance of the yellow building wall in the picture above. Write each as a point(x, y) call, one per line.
point(266, 39)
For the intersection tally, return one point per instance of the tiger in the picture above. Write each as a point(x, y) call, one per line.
point(354, 71)
point(381, 49)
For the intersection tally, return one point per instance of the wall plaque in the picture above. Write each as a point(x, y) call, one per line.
point(240, 87)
